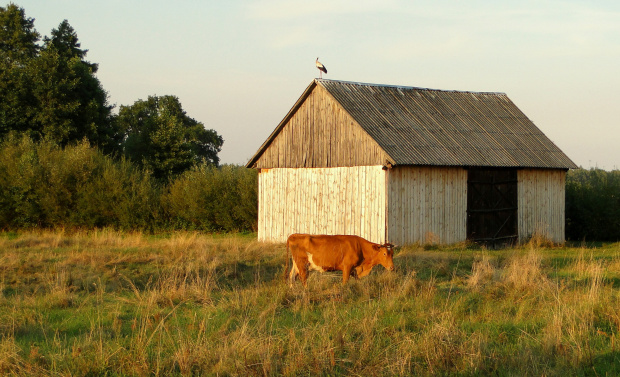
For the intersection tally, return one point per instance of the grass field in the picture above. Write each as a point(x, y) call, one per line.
point(114, 304)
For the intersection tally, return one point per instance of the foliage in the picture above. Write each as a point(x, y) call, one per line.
point(18, 37)
point(108, 303)
point(44, 185)
point(65, 41)
point(50, 92)
point(214, 199)
point(18, 45)
point(164, 139)
point(593, 205)
point(73, 104)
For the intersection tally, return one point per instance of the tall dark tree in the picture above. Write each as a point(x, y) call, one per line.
point(164, 139)
point(51, 91)
point(18, 37)
point(18, 46)
point(65, 41)
point(72, 102)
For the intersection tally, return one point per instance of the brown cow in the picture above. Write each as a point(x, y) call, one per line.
point(336, 253)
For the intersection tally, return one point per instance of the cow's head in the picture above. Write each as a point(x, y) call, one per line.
point(385, 255)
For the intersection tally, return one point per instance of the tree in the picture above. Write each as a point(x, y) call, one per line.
point(18, 37)
point(162, 138)
point(65, 41)
point(51, 91)
point(18, 45)
point(72, 103)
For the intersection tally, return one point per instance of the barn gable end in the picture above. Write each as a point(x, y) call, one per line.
point(318, 132)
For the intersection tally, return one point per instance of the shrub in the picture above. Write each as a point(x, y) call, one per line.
point(213, 199)
point(593, 205)
point(43, 185)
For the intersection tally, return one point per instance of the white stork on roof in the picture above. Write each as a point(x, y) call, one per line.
point(320, 67)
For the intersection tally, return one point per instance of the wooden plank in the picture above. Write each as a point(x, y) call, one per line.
point(541, 203)
point(413, 206)
point(441, 203)
point(280, 186)
point(331, 200)
point(382, 225)
point(463, 198)
point(348, 210)
point(372, 215)
point(313, 200)
point(394, 223)
point(268, 205)
point(450, 206)
point(375, 220)
point(362, 197)
point(261, 206)
point(433, 196)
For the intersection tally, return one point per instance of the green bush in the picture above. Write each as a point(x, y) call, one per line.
point(19, 174)
point(213, 199)
point(43, 185)
point(593, 205)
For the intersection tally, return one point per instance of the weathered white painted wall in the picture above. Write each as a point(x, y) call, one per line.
point(341, 200)
point(427, 205)
point(541, 203)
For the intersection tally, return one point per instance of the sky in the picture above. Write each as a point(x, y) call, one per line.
point(239, 66)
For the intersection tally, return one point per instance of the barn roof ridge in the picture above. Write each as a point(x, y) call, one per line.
point(407, 87)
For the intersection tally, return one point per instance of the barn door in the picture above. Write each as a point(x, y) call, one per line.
point(492, 206)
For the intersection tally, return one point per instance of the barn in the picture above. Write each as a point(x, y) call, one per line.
point(404, 165)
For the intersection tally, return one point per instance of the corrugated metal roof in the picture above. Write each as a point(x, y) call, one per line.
point(418, 126)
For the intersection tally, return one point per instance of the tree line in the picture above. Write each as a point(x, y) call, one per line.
point(50, 92)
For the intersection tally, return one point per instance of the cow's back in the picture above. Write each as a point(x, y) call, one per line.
point(329, 252)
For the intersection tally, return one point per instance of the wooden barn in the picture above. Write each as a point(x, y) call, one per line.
point(403, 165)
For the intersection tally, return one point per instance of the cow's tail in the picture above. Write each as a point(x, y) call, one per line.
point(288, 253)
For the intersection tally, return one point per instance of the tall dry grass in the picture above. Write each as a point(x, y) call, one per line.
point(109, 303)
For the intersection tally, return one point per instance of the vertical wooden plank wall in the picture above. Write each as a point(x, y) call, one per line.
point(541, 203)
point(343, 200)
point(321, 134)
point(427, 204)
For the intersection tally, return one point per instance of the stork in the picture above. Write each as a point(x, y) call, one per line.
point(320, 67)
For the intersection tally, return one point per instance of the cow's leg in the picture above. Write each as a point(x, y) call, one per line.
point(303, 274)
point(358, 270)
point(363, 270)
point(301, 264)
point(293, 274)
point(346, 272)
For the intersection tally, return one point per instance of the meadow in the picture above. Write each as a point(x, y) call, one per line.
point(108, 303)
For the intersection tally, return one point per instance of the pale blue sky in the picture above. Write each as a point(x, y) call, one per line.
point(239, 66)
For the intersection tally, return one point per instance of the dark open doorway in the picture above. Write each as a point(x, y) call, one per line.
point(492, 206)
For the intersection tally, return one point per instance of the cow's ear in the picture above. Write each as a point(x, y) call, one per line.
point(376, 247)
